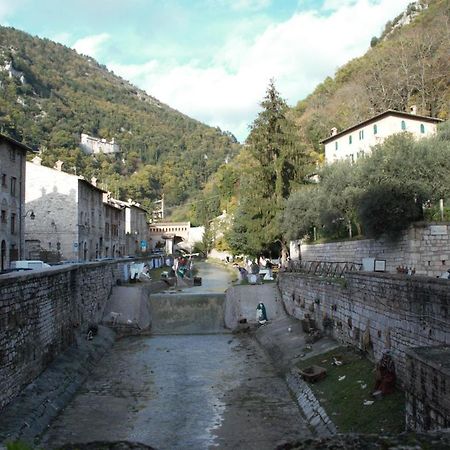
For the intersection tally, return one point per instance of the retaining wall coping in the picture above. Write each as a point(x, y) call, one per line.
point(437, 357)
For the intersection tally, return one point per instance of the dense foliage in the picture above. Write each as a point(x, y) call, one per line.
point(49, 95)
point(277, 162)
point(401, 182)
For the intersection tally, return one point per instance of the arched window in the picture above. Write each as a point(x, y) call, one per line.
point(403, 124)
point(422, 128)
point(375, 129)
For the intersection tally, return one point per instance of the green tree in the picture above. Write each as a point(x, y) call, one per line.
point(389, 209)
point(279, 163)
point(301, 213)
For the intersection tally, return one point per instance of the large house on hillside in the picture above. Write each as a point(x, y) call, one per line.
point(12, 199)
point(92, 145)
point(358, 140)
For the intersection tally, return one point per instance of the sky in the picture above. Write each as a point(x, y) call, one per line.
point(211, 59)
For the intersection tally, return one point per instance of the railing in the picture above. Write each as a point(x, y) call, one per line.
point(324, 268)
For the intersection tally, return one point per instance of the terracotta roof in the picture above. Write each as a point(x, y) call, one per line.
point(389, 112)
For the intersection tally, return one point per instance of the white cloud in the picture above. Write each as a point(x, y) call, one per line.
point(245, 5)
point(7, 8)
point(62, 38)
point(91, 45)
point(336, 4)
point(299, 53)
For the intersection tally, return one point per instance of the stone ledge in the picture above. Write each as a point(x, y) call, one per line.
point(310, 406)
point(29, 414)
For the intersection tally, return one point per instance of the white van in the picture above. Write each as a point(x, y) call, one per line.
point(29, 265)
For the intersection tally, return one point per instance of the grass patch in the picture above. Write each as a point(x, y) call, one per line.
point(344, 400)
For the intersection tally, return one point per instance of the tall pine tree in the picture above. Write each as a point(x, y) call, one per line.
point(279, 162)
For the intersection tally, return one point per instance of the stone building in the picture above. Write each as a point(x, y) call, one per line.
point(94, 145)
point(69, 213)
point(136, 228)
point(12, 200)
point(358, 140)
point(114, 237)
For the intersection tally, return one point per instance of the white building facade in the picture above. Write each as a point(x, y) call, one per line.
point(94, 145)
point(69, 215)
point(358, 140)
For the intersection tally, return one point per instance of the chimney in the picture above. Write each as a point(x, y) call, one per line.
point(58, 165)
point(413, 109)
point(94, 181)
point(37, 160)
point(334, 131)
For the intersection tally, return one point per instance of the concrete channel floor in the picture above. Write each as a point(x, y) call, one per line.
point(184, 391)
point(174, 392)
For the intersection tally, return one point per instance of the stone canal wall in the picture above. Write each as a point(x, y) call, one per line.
point(373, 311)
point(427, 248)
point(241, 303)
point(42, 311)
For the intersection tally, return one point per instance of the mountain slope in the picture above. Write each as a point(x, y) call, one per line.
point(49, 95)
point(408, 65)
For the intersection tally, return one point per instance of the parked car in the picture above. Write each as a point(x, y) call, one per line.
point(27, 264)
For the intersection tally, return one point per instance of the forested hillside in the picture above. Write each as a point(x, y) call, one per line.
point(407, 65)
point(403, 182)
point(49, 95)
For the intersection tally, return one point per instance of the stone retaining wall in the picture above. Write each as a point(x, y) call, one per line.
point(426, 248)
point(310, 406)
point(30, 413)
point(373, 311)
point(428, 388)
point(40, 313)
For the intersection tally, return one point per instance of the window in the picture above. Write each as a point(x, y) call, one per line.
point(361, 135)
point(13, 223)
point(4, 179)
point(3, 216)
point(350, 139)
point(336, 145)
point(422, 128)
point(375, 129)
point(12, 154)
point(13, 186)
point(403, 125)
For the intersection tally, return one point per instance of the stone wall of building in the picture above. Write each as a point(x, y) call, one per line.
point(428, 388)
point(426, 248)
point(373, 311)
point(41, 312)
